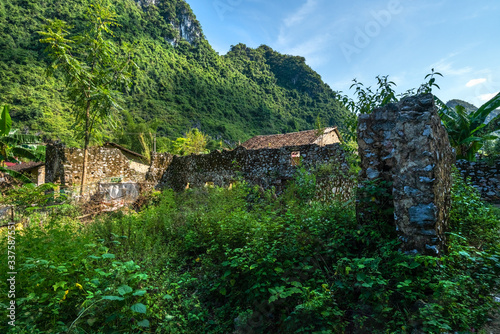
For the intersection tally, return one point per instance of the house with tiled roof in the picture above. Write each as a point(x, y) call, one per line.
point(322, 137)
point(33, 170)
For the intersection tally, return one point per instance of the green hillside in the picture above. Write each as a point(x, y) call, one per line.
point(182, 82)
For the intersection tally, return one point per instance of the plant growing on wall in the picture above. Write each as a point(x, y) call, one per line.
point(366, 100)
point(95, 70)
point(468, 132)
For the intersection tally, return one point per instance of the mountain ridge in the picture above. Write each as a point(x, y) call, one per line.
point(183, 82)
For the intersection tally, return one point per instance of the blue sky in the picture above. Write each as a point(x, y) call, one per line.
point(343, 40)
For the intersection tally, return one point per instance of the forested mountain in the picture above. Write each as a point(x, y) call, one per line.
point(181, 81)
point(455, 102)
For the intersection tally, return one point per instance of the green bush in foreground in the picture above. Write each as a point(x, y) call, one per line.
point(240, 261)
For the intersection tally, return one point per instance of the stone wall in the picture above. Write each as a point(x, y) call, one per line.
point(484, 176)
point(158, 166)
point(105, 165)
point(266, 168)
point(406, 155)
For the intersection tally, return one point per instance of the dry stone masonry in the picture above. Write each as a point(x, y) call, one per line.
point(106, 165)
point(405, 177)
point(484, 176)
point(265, 167)
point(113, 173)
point(406, 162)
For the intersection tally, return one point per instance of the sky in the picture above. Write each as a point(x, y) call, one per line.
point(344, 40)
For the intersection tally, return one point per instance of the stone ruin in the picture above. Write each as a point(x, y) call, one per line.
point(405, 177)
point(114, 172)
point(406, 155)
point(267, 168)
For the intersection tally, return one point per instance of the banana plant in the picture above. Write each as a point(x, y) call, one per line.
point(469, 131)
point(14, 145)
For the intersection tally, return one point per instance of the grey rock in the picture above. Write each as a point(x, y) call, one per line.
point(423, 214)
point(372, 173)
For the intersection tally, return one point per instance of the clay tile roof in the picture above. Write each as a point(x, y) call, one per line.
point(125, 150)
point(25, 166)
point(308, 137)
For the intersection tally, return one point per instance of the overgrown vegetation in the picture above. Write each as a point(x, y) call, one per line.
point(241, 260)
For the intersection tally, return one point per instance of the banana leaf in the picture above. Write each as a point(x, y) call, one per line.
point(5, 121)
point(16, 175)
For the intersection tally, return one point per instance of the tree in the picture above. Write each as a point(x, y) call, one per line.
point(95, 70)
point(136, 135)
point(15, 146)
point(469, 131)
point(193, 142)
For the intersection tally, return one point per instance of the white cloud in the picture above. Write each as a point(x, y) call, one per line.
point(445, 66)
point(487, 97)
point(300, 34)
point(475, 82)
point(448, 69)
point(304, 11)
point(306, 47)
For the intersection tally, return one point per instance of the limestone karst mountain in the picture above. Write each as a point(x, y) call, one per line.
point(182, 82)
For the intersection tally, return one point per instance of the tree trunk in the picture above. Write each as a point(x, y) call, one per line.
point(85, 149)
point(84, 168)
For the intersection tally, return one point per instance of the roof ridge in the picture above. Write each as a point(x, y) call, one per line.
point(298, 138)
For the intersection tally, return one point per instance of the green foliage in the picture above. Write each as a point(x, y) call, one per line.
point(93, 67)
point(180, 85)
point(426, 87)
point(469, 128)
point(375, 196)
point(5, 121)
point(77, 284)
point(135, 134)
point(303, 187)
point(468, 131)
point(193, 142)
point(366, 100)
point(30, 197)
point(222, 260)
point(15, 146)
point(469, 217)
point(491, 149)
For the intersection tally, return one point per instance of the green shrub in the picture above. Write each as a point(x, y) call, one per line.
point(242, 260)
point(66, 282)
point(469, 216)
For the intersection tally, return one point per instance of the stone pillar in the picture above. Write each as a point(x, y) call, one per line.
point(406, 147)
point(376, 151)
point(54, 163)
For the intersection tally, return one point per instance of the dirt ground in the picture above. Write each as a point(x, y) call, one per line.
point(494, 326)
